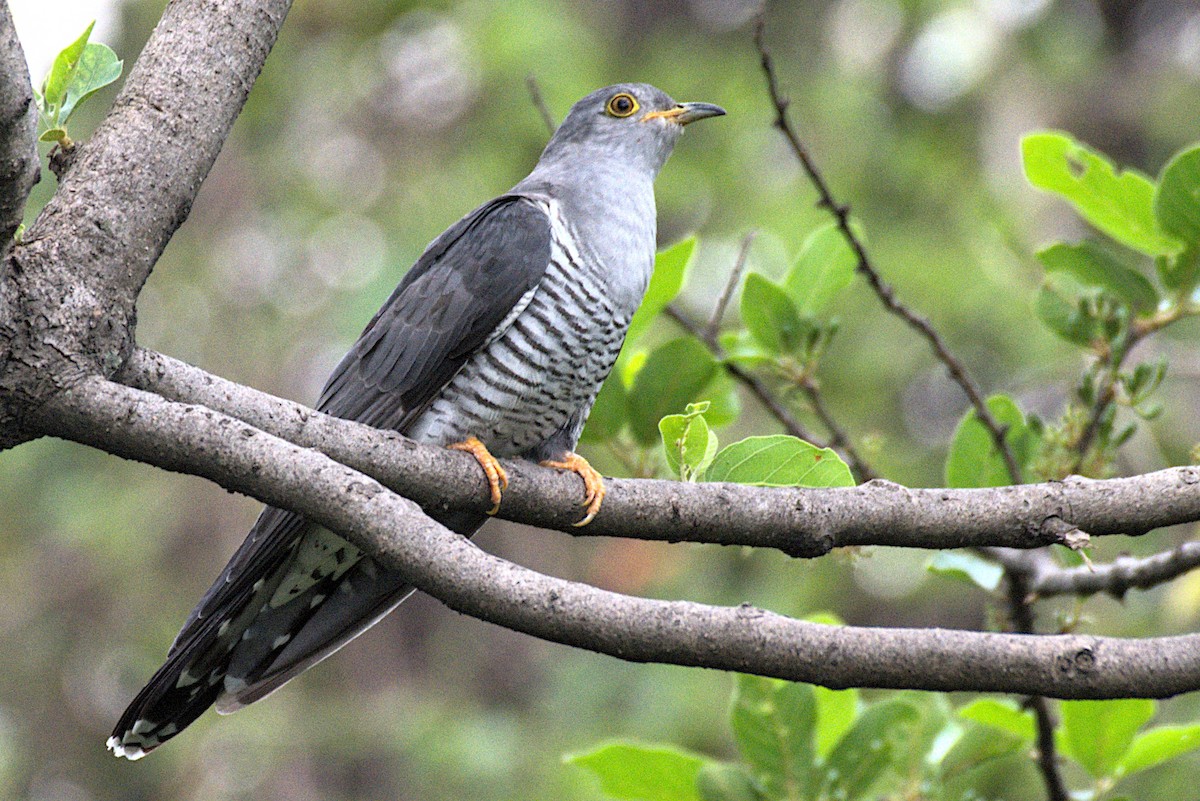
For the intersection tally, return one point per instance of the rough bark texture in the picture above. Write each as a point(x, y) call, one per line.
point(146, 427)
point(19, 166)
point(71, 286)
point(800, 522)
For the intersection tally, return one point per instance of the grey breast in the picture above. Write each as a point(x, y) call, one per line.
point(543, 367)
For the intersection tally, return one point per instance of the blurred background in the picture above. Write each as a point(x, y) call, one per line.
point(376, 124)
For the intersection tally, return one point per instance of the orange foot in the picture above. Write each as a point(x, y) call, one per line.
point(593, 482)
point(497, 478)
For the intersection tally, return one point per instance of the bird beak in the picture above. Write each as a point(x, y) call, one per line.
point(686, 112)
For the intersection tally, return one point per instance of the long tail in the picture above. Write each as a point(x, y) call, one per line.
point(292, 595)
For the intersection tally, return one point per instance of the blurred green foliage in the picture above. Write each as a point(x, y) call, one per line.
point(376, 124)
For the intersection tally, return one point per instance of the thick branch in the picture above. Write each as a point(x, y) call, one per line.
point(802, 522)
point(146, 427)
point(19, 164)
point(74, 281)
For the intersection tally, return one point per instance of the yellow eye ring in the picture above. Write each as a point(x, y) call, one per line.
point(621, 105)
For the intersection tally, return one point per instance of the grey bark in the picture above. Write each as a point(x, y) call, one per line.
point(19, 165)
point(800, 522)
point(194, 439)
point(70, 288)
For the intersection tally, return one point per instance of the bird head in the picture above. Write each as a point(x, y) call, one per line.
point(634, 123)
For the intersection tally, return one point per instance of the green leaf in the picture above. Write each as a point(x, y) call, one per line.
point(824, 268)
point(608, 415)
point(771, 316)
point(1121, 204)
point(779, 461)
point(869, 748)
point(975, 747)
point(836, 712)
point(54, 89)
point(773, 724)
point(1097, 734)
point(724, 402)
point(1094, 267)
point(721, 782)
point(53, 135)
point(1158, 745)
point(670, 270)
point(1179, 273)
point(688, 443)
point(641, 772)
point(974, 460)
point(1003, 715)
point(98, 66)
point(674, 375)
point(1177, 201)
point(967, 567)
point(1069, 320)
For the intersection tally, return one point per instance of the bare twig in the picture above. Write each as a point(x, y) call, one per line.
point(1117, 578)
point(735, 275)
point(841, 214)
point(239, 457)
point(1047, 757)
point(539, 102)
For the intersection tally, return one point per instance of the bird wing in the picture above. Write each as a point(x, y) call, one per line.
point(453, 301)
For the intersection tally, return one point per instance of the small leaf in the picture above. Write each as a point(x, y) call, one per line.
point(868, 748)
point(1121, 204)
point(1003, 715)
point(721, 782)
point(1069, 320)
point(54, 135)
point(1097, 734)
point(976, 746)
point(1177, 201)
point(1094, 267)
point(824, 268)
point(1180, 273)
point(674, 375)
point(54, 89)
point(642, 772)
point(967, 567)
point(773, 723)
point(98, 66)
point(779, 461)
point(974, 461)
point(688, 444)
point(670, 270)
point(836, 712)
point(1158, 745)
point(771, 316)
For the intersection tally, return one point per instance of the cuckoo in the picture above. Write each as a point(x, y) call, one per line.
point(495, 342)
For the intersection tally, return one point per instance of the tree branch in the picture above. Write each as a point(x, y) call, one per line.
point(1123, 574)
point(841, 214)
point(146, 427)
point(19, 163)
point(73, 282)
point(801, 522)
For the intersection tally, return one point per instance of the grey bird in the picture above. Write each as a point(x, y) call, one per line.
point(495, 342)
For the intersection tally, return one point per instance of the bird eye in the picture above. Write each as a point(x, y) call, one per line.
point(621, 105)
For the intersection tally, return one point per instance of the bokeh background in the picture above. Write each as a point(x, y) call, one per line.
point(377, 123)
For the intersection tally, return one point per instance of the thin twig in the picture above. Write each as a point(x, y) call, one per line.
point(841, 213)
point(1023, 623)
point(839, 439)
point(735, 275)
point(1117, 578)
point(535, 95)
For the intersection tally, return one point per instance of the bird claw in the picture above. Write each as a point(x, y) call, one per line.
point(497, 478)
point(593, 483)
